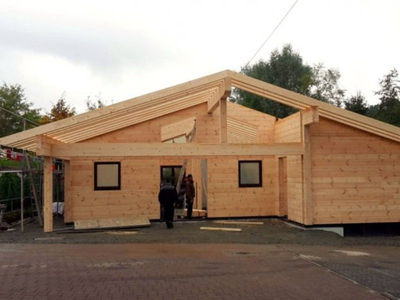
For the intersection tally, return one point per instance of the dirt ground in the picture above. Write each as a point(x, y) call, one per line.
point(273, 231)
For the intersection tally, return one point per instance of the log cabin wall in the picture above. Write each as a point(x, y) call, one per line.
point(140, 177)
point(227, 199)
point(355, 175)
point(288, 130)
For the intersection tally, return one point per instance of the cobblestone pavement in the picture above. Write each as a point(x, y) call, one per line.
point(175, 271)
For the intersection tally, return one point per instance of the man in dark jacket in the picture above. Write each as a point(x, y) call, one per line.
point(167, 198)
point(189, 195)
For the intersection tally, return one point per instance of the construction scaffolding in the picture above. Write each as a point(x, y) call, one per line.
point(28, 168)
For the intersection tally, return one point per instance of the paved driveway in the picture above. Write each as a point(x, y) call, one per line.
point(179, 271)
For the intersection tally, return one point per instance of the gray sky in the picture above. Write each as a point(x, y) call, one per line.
point(123, 49)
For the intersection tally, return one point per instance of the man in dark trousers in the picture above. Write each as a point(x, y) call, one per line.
point(189, 195)
point(167, 198)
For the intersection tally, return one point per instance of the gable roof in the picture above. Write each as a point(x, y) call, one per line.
point(136, 110)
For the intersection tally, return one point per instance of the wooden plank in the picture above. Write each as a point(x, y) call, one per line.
point(48, 194)
point(167, 149)
point(239, 222)
point(221, 229)
point(125, 222)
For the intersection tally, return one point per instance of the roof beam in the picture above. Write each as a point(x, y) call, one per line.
point(44, 144)
point(224, 91)
point(170, 149)
point(310, 115)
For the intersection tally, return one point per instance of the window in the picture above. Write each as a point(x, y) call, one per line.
point(250, 174)
point(171, 173)
point(107, 176)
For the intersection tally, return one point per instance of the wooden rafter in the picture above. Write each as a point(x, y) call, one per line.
point(224, 90)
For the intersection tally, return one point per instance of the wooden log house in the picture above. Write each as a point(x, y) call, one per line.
point(321, 165)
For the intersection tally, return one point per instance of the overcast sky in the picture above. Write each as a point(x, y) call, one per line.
point(123, 49)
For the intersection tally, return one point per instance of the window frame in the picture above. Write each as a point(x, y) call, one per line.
point(173, 171)
point(107, 188)
point(251, 185)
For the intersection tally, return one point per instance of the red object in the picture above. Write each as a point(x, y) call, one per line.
point(14, 155)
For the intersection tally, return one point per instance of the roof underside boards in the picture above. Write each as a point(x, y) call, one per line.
point(205, 89)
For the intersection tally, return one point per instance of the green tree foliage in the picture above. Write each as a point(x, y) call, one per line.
point(12, 98)
point(59, 111)
point(325, 85)
point(388, 110)
point(286, 69)
point(357, 104)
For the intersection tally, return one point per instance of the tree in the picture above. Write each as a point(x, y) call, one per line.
point(286, 69)
point(357, 104)
point(12, 105)
point(59, 111)
point(389, 108)
point(325, 85)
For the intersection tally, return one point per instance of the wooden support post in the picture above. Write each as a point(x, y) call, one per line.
point(67, 192)
point(307, 190)
point(48, 194)
point(223, 121)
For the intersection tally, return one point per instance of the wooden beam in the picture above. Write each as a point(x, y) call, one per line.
point(310, 115)
point(239, 222)
point(221, 229)
point(177, 129)
point(48, 194)
point(43, 145)
point(172, 150)
point(307, 187)
point(223, 93)
point(223, 121)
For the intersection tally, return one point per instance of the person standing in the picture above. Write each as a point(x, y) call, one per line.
point(190, 194)
point(167, 198)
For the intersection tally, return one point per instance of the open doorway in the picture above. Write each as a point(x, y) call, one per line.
point(171, 174)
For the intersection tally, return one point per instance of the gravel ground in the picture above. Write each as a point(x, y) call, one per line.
point(274, 231)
